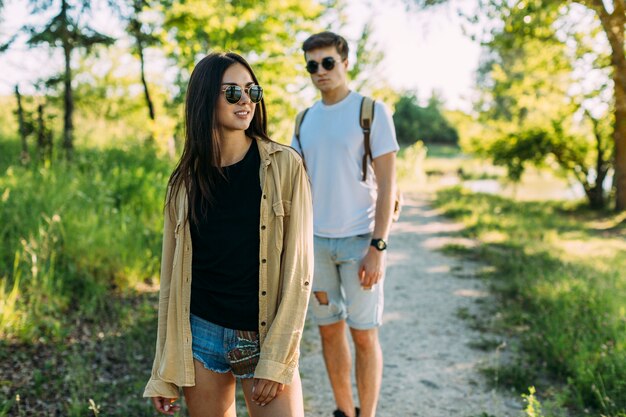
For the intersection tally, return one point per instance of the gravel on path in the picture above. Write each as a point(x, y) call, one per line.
point(430, 370)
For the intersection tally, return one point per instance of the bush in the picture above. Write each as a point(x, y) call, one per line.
point(71, 233)
point(427, 124)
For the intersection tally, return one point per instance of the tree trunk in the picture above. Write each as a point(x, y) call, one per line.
point(24, 157)
point(135, 28)
point(613, 25)
point(143, 80)
point(595, 195)
point(68, 126)
point(619, 133)
point(42, 142)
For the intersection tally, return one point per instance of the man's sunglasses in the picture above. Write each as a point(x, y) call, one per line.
point(313, 66)
point(233, 93)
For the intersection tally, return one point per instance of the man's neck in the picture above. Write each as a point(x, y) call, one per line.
point(335, 96)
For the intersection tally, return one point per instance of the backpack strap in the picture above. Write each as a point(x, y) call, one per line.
point(299, 119)
point(366, 118)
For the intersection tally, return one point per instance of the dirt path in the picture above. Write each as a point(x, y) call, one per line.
point(429, 371)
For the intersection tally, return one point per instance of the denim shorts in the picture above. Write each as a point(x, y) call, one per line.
point(222, 350)
point(337, 262)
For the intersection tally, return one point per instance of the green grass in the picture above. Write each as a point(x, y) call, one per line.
point(443, 151)
point(107, 361)
point(73, 233)
point(558, 272)
point(80, 247)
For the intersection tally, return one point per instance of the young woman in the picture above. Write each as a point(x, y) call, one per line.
point(237, 256)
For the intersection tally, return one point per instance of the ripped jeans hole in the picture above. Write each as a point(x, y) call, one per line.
point(322, 297)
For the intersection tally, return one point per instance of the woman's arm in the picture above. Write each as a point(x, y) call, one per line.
point(280, 350)
point(156, 387)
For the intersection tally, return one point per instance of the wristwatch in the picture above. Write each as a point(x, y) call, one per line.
point(379, 244)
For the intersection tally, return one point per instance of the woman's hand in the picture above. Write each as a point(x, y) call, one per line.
point(264, 390)
point(165, 405)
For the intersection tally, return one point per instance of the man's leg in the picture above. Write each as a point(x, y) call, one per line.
point(338, 364)
point(369, 369)
point(365, 310)
point(328, 312)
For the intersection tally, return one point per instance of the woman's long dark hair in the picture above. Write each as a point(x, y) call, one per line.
point(199, 166)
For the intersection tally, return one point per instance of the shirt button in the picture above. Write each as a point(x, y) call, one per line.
point(263, 260)
point(263, 292)
point(306, 283)
point(263, 227)
point(262, 323)
point(264, 196)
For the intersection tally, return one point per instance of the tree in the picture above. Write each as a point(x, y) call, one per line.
point(612, 18)
point(428, 123)
point(63, 31)
point(526, 99)
point(574, 155)
point(142, 39)
point(614, 25)
point(364, 72)
point(22, 125)
point(267, 32)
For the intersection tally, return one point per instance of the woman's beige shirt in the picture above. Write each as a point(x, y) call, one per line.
point(285, 274)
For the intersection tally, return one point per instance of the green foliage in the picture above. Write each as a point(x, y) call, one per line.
point(74, 233)
point(427, 124)
point(364, 72)
point(527, 100)
point(561, 287)
point(268, 33)
point(104, 364)
point(410, 164)
point(533, 406)
point(111, 111)
point(522, 147)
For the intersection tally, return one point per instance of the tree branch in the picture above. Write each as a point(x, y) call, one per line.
point(595, 5)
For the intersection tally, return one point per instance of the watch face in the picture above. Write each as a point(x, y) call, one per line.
point(379, 244)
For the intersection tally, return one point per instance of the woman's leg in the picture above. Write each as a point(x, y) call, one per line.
point(287, 403)
point(213, 395)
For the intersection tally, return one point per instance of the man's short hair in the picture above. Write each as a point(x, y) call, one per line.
point(324, 40)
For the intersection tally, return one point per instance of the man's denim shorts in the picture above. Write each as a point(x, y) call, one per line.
point(221, 350)
point(337, 262)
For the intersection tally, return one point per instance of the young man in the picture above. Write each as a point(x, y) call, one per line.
point(351, 220)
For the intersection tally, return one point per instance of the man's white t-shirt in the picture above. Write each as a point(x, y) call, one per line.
point(333, 148)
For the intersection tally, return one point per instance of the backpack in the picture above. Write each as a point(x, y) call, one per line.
point(366, 118)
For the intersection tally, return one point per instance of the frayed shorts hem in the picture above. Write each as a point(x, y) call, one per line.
point(221, 371)
point(326, 321)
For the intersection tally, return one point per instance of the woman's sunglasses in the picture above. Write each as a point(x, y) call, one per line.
point(233, 93)
point(313, 66)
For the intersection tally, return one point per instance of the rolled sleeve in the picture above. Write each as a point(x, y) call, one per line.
point(159, 388)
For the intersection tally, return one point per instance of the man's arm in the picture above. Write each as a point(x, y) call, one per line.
point(372, 266)
point(385, 169)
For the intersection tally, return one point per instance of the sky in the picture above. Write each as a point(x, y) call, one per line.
point(424, 50)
